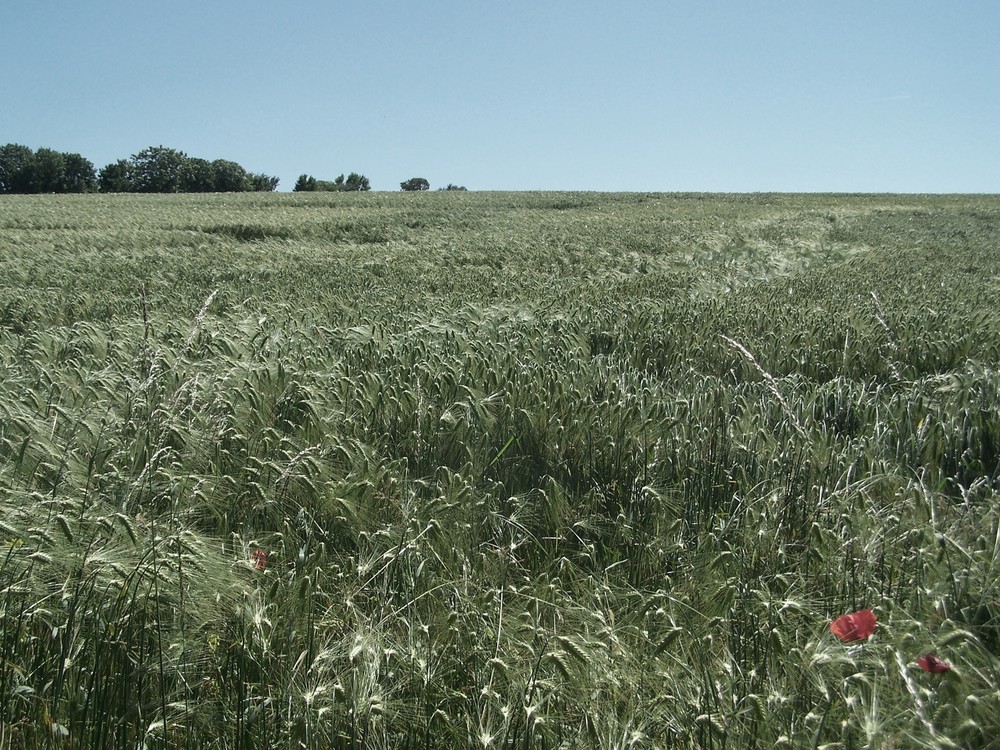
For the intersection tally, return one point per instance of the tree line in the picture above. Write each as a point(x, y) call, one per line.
point(358, 182)
point(156, 169)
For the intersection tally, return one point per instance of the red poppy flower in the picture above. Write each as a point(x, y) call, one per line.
point(932, 663)
point(854, 627)
point(259, 559)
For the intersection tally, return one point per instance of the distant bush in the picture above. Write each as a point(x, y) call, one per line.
point(354, 182)
point(453, 187)
point(415, 184)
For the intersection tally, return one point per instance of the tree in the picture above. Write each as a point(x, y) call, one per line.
point(158, 169)
point(453, 187)
point(14, 160)
point(262, 183)
point(80, 176)
point(198, 176)
point(305, 183)
point(356, 181)
point(116, 178)
point(415, 184)
point(230, 177)
point(46, 172)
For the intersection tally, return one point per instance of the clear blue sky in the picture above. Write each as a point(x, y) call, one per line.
point(793, 95)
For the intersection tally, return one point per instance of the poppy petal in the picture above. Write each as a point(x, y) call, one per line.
point(259, 559)
point(931, 663)
point(856, 626)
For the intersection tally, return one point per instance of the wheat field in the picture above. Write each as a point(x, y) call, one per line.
point(499, 470)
